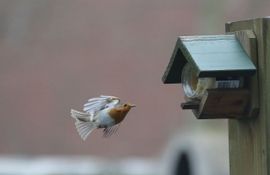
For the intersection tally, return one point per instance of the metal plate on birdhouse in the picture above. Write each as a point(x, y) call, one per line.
point(211, 56)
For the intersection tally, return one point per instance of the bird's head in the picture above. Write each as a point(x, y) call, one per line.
point(128, 106)
point(120, 112)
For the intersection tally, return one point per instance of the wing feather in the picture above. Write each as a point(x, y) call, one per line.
point(98, 103)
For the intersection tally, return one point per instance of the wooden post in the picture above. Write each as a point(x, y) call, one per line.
point(249, 139)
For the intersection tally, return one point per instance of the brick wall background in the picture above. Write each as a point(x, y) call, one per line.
point(55, 54)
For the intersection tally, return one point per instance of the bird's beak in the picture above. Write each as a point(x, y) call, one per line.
point(132, 105)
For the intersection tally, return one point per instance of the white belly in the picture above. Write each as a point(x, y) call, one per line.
point(103, 119)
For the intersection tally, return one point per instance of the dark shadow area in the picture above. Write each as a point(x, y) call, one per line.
point(182, 165)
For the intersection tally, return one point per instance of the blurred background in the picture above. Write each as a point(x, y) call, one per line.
point(55, 54)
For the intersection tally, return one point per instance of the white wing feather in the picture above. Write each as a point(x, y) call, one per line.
point(98, 103)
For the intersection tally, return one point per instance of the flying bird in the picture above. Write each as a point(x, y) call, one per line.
point(103, 112)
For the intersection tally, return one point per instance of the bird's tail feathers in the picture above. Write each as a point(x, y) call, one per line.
point(84, 128)
point(83, 124)
point(79, 115)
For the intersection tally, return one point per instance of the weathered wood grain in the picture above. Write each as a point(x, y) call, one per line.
point(248, 41)
point(249, 139)
point(223, 103)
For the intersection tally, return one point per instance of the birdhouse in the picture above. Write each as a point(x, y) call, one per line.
point(215, 72)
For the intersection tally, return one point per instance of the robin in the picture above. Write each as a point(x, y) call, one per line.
point(103, 112)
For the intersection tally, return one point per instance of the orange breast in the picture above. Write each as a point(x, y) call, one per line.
point(118, 114)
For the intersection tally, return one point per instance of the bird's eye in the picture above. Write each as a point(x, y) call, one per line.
point(125, 105)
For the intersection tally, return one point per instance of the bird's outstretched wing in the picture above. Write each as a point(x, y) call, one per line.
point(98, 103)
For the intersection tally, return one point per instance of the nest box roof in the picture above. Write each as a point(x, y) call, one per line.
point(210, 55)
